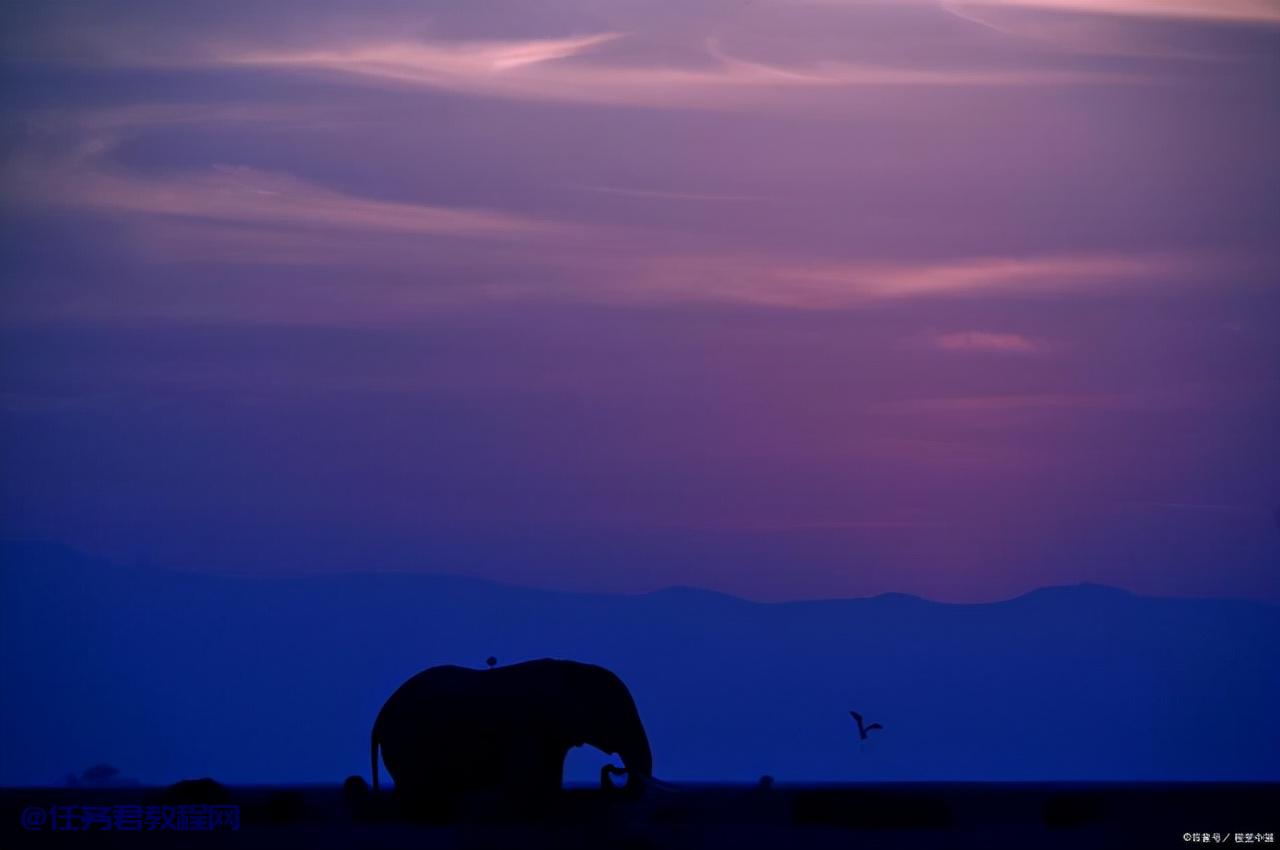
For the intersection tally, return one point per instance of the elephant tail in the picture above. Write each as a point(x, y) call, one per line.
point(373, 755)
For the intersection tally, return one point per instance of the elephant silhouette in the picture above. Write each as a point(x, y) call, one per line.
point(450, 732)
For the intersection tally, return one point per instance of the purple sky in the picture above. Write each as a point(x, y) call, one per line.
point(787, 299)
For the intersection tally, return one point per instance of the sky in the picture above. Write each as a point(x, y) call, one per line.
point(786, 299)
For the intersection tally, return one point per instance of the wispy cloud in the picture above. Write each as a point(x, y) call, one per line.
point(774, 282)
point(428, 63)
point(538, 70)
point(986, 342)
point(1256, 11)
point(970, 275)
point(665, 195)
point(238, 214)
point(1133, 28)
point(248, 196)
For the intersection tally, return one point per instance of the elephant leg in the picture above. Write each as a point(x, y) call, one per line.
point(533, 778)
point(428, 781)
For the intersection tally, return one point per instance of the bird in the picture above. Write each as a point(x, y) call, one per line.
point(491, 661)
point(864, 729)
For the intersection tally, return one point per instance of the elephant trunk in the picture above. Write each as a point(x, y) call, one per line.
point(638, 760)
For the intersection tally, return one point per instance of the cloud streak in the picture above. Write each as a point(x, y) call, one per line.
point(774, 282)
point(1244, 11)
point(972, 275)
point(986, 342)
point(236, 214)
point(248, 196)
point(544, 70)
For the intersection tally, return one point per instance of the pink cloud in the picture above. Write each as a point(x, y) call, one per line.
point(1136, 28)
point(592, 68)
point(775, 282)
point(535, 70)
point(982, 341)
point(974, 274)
point(1256, 11)
point(248, 196)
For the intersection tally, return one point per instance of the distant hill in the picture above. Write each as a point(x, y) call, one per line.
point(171, 675)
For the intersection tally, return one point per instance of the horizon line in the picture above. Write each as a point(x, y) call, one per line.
point(8, 542)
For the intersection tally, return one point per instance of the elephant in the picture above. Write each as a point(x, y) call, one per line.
point(449, 732)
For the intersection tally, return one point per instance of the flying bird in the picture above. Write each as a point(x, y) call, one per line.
point(863, 729)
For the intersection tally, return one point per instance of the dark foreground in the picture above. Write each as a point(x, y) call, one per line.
point(1014, 815)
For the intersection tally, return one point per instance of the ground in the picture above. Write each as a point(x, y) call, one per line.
point(899, 815)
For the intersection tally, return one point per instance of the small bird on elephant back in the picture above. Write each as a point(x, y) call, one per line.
point(452, 733)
